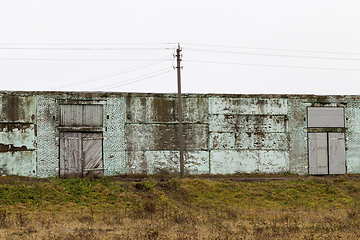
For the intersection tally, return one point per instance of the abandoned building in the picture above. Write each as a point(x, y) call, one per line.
point(47, 134)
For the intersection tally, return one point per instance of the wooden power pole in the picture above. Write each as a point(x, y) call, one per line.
point(181, 137)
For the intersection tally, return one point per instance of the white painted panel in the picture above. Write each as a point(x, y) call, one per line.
point(256, 106)
point(18, 135)
point(152, 162)
point(318, 153)
point(22, 163)
point(337, 153)
point(326, 117)
point(249, 141)
point(247, 123)
point(165, 136)
point(274, 161)
point(164, 109)
point(232, 161)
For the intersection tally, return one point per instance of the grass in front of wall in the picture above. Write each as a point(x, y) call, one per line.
point(190, 208)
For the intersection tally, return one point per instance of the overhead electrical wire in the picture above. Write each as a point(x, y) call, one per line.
point(130, 81)
point(79, 59)
point(269, 54)
point(271, 49)
point(81, 44)
point(81, 49)
point(144, 65)
point(167, 58)
point(143, 79)
point(268, 65)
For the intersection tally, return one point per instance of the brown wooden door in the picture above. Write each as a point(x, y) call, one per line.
point(81, 154)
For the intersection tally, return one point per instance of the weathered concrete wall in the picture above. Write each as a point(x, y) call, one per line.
point(248, 135)
point(297, 136)
point(152, 134)
point(352, 138)
point(17, 135)
point(223, 134)
point(114, 156)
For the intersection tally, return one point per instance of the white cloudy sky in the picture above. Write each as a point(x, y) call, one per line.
point(259, 46)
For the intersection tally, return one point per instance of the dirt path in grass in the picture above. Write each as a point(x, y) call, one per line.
point(132, 178)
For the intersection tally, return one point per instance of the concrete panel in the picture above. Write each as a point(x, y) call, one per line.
point(152, 162)
point(257, 106)
point(247, 123)
point(273, 161)
point(17, 109)
point(232, 161)
point(352, 123)
point(165, 136)
point(47, 142)
point(164, 109)
point(114, 143)
point(22, 163)
point(249, 141)
point(298, 145)
point(17, 137)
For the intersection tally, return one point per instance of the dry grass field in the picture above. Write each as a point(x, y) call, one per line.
point(173, 208)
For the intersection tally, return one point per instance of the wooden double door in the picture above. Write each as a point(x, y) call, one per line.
point(81, 154)
point(327, 153)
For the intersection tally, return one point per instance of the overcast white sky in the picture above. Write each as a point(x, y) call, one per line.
point(259, 46)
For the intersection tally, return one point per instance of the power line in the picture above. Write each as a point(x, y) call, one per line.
point(74, 59)
point(271, 49)
point(269, 54)
point(130, 81)
point(81, 44)
point(267, 65)
point(112, 74)
point(144, 78)
point(81, 49)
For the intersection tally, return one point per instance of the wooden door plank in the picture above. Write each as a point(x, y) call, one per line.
point(93, 156)
point(70, 154)
point(337, 164)
point(318, 153)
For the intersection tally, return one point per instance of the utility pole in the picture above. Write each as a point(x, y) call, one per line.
point(181, 140)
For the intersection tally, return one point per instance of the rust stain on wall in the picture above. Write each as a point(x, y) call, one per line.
point(19, 109)
point(164, 109)
point(11, 147)
point(11, 108)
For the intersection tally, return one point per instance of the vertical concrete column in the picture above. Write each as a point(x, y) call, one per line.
point(297, 136)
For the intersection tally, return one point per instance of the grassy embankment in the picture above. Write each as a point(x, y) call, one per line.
point(191, 208)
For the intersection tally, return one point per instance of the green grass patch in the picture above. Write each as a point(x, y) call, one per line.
point(304, 193)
